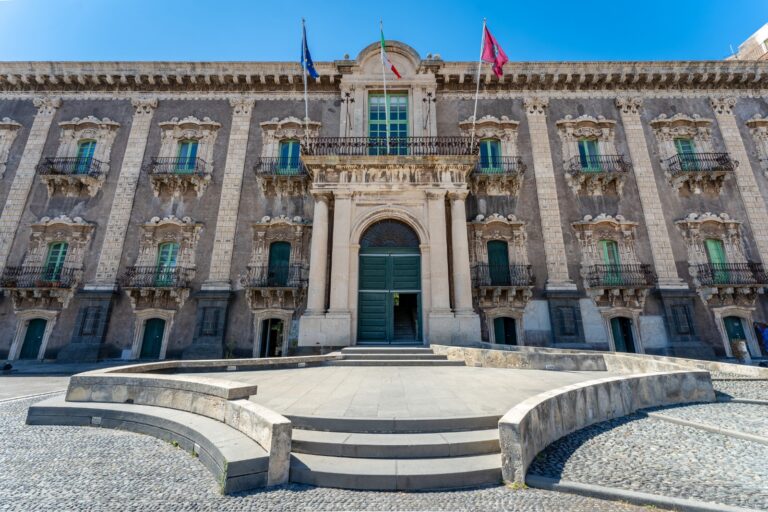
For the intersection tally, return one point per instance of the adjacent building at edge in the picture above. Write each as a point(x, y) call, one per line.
point(189, 209)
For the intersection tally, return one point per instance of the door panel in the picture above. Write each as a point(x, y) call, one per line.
point(153, 338)
point(406, 272)
point(33, 339)
point(373, 316)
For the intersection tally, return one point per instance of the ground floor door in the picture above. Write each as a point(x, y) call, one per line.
point(389, 297)
point(271, 338)
point(734, 328)
point(33, 339)
point(623, 339)
point(154, 328)
point(505, 331)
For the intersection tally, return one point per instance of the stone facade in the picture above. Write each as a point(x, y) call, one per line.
point(538, 208)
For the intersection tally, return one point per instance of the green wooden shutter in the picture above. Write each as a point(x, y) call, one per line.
point(279, 260)
point(54, 262)
point(686, 151)
point(717, 258)
point(187, 156)
point(498, 263)
point(490, 156)
point(589, 155)
point(612, 261)
point(85, 152)
point(288, 162)
point(167, 254)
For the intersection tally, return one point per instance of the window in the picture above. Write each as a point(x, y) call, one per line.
point(288, 163)
point(717, 259)
point(686, 151)
point(167, 254)
point(498, 263)
point(490, 155)
point(209, 326)
point(589, 156)
point(610, 252)
point(85, 150)
point(187, 156)
point(279, 259)
point(398, 124)
point(90, 323)
point(54, 262)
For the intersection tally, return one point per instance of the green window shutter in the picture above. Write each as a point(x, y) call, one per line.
point(289, 151)
point(589, 155)
point(490, 155)
point(167, 254)
point(686, 151)
point(498, 263)
point(279, 260)
point(398, 123)
point(187, 156)
point(612, 260)
point(717, 258)
point(85, 151)
point(54, 262)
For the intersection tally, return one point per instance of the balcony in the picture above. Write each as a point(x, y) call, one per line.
point(280, 287)
point(279, 175)
point(381, 163)
point(40, 287)
point(502, 286)
point(619, 285)
point(72, 176)
point(597, 174)
point(157, 287)
point(178, 176)
point(722, 284)
point(699, 172)
point(498, 176)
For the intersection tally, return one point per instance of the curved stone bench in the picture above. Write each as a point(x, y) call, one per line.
point(535, 423)
point(236, 461)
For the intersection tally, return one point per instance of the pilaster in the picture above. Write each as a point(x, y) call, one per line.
point(438, 252)
point(342, 217)
point(318, 256)
point(546, 189)
point(462, 282)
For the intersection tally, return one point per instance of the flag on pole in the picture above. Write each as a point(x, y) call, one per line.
point(493, 54)
point(384, 57)
point(306, 58)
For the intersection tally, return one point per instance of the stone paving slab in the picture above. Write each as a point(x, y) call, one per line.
point(12, 386)
point(61, 469)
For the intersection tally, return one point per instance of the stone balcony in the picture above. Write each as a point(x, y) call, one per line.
point(282, 176)
point(498, 176)
point(179, 175)
point(726, 284)
point(34, 287)
point(157, 287)
point(597, 175)
point(699, 172)
point(502, 286)
point(72, 176)
point(282, 287)
point(619, 285)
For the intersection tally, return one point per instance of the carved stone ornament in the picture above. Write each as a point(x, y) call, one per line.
point(758, 127)
point(536, 106)
point(629, 105)
point(9, 129)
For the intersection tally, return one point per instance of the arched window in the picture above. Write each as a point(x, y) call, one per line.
point(288, 162)
point(498, 263)
point(490, 155)
point(187, 156)
point(279, 264)
point(389, 233)
point(54, 261)
point(85, 151)
point(167, 255)
point(589, 155)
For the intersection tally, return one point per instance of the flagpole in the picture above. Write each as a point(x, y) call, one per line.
point(477, 90)
point(304, 70)
point(384, 77)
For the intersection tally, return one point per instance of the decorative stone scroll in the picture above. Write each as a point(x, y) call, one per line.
point(758, 127)
point(9, 129)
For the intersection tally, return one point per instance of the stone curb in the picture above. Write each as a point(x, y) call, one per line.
point(753, 401)
point(24, 397)
point(708, 428)
point(633, 497)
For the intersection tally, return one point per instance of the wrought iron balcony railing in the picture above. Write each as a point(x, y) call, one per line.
point(178, 165)
point(620, 276)
point(484, 274)
point(397, 146)
point(280, 276)
point(77, 166)
point(700, 162)
point(598, 164)
point(39, 277)
point(156, 277)
point(280, 166)
point(500, 165)
point(731, 274)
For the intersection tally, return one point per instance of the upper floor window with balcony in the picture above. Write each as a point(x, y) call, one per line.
point(279, 264)
point(54, 261)
point(490, 156)
point(391, 111)
point(187, 156)
point(589, 155)
point(715, 249)
point(289, 161)
point(167, 256)
point(86, 148)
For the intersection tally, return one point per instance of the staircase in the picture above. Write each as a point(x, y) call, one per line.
point(392, 356)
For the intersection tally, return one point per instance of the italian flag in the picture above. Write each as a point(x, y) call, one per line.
point(384, 59)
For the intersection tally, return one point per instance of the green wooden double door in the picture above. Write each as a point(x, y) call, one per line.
point(389, 296)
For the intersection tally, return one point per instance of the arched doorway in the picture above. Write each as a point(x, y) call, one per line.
point(623, 337)
point(389, 285)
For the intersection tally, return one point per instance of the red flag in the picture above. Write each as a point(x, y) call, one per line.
point(493, 53)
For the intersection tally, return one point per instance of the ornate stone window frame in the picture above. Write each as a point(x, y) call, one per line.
point(505, 130)
point(204, 132)
point(9, 129)
point(273, 132)
point(602, 130)
point(699, 129)
point(22, 323)
point(758, 127)
point(141, 318)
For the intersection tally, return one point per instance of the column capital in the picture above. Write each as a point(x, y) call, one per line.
point(343, 194)
point(144, 106)
point(629, 104)
point(535, 105)
point(454, 195)
point(433, 195)
point(241, 106)
point(46, 105)
point(322, 196)
point(723, 105)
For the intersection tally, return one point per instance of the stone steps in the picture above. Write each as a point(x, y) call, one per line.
point(394, 425)
point(385, 350)
point(394, 362)
point(392, 356)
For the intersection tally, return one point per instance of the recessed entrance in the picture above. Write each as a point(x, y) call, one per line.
point(33, 339)
point(389, 297)
point(271, 338)
point(152, 341)
point(623, 339)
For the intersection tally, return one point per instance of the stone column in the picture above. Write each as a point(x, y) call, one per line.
point(546, 189)
point(25, 174)
point(318, 256)
point(438, 252)
point(342, 213)
point(122, 204)
point(653, 215)
point(462, 283)
point(754, 204)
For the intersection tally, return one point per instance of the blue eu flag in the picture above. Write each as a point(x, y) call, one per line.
point(306, 58)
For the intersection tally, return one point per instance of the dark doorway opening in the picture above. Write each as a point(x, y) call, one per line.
point(406, 316)
point(505, 331)
point(271, 338)
point(623, 339)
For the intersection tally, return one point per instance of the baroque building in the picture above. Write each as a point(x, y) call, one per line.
point(156, 210)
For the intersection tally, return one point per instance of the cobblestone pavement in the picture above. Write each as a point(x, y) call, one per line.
point(83, 468)
point(752, 389)
point(642, 454)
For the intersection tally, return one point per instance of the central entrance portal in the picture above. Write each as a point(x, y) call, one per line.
point(389, 297)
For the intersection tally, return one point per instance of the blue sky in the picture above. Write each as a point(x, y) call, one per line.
point(270, 30)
